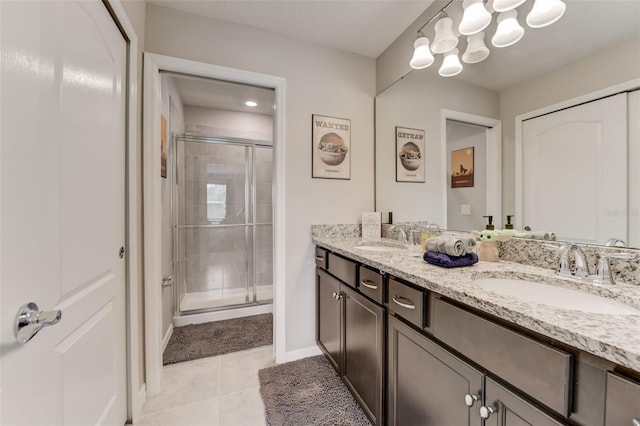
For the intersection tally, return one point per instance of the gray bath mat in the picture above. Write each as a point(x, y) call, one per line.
point(308, 392)
point(219, 337)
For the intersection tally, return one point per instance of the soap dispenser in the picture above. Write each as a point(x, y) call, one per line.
point(487, 247)
point(508, 229)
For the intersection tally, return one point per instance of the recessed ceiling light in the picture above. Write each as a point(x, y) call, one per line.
point(251, 103)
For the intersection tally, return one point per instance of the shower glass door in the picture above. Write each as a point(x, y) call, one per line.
point(223, 232)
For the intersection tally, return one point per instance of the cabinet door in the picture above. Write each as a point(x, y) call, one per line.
point(328, 332)
point(427, 385)
point(504, 408)
point(364, 349)
point(623, 401)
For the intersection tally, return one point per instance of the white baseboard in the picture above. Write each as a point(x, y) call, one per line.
point(167, 336)
point(182, 320)
point(299, 354)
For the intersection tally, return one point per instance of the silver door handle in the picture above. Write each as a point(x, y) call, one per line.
point(31, 319)
point(369, 284)
point(404, 303)
point(635, 422)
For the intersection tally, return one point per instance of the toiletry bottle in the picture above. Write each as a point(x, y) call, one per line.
point(487, 247)
point(508, 229)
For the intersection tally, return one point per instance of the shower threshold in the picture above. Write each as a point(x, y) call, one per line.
point(215, 299)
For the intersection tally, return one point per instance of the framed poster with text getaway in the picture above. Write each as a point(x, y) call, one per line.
point(331, 147)
point(409, 155)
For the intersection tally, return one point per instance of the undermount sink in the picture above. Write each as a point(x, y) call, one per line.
point(554, 296)
point(380, 246)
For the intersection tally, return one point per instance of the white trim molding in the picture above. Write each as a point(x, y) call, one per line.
point(299, 354)
point(167, 337)
point(592, 96)
point(135, 398)
point(153, 64)
point(493, 160)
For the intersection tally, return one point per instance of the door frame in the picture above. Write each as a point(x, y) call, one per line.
point(153, 64)
point(135, 390)
point(493, 161)
point(572, 102)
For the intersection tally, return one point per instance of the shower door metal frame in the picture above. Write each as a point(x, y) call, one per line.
point(250, 240)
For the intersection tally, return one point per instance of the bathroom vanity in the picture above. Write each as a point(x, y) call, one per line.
point(421, 345)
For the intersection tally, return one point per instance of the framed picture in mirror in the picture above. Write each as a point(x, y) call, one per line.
point(462, 168)
point(409, 155)
point(331, 147)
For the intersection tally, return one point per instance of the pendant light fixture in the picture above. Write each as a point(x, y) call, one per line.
point(451, 64)
point(545, 12)
point(422, 56)
point(476, 50)
point(475, 18)
point(509, 31)
point(506, 5)
point(444, 40)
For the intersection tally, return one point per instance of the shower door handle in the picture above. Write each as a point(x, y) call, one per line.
point(167, 281)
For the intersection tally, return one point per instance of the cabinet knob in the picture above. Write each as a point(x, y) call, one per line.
point(486, 412)
point(470, 400)
point(635, 422)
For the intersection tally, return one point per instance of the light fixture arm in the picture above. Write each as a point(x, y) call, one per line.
point(441, 11)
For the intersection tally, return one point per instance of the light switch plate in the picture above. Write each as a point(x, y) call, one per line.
point(465, 209)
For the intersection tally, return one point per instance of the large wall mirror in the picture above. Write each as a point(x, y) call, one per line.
point(593, 48)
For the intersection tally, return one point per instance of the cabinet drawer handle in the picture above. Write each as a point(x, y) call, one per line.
point(470, 400)
point(486, 412)
point(320, 258)
point(369, 284)
point(635, 422)
point(405, 303)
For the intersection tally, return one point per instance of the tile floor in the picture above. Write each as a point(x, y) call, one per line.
point(217, 391)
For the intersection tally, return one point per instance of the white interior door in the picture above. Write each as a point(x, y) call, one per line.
point(62, 212)
point(574, 172)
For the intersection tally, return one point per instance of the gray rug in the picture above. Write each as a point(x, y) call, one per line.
point(219, 337)
point(308, 392)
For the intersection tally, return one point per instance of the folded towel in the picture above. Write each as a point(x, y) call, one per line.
point(541, 235)
point(450, 245)
point(446, 261)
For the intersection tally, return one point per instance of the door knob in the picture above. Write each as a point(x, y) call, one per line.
point(31, 319)
point(469, 399)
point(486, 412)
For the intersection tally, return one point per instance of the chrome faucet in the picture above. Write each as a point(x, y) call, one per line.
point(580, 269)
point(403, 235)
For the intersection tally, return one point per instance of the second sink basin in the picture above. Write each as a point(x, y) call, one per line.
point(554, 296)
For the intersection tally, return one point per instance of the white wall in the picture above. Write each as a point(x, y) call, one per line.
point(224, 123)
point(319, 80)
point(615, 65)
point(416, 101)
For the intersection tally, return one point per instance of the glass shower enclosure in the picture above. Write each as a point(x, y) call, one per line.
point(222, 223)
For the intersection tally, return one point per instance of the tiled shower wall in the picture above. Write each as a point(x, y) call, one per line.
point(217, 258)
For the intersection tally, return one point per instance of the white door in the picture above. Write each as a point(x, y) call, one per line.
point(62, 212)
point(574, 176)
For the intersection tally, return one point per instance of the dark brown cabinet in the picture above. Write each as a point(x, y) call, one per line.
point(427, 385)
point(623, 401)
point(504, 408)
point(351, 333)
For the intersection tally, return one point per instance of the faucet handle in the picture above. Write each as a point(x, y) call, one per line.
point(603, 269)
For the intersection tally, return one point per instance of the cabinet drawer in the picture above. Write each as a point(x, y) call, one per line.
point(371, 283)
point(407, 302)
point(321, 258)
point(342, 268)
point(539, 370)
point(623, 401)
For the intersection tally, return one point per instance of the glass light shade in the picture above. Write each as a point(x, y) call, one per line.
point(545, 12)
point(476, 50)
point(422, 56)
point(445, 39)
point(451, 64)
point(509, 31)
point(475, 19)
point(506, 5)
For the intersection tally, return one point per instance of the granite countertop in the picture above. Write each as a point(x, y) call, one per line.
point(613, 337)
